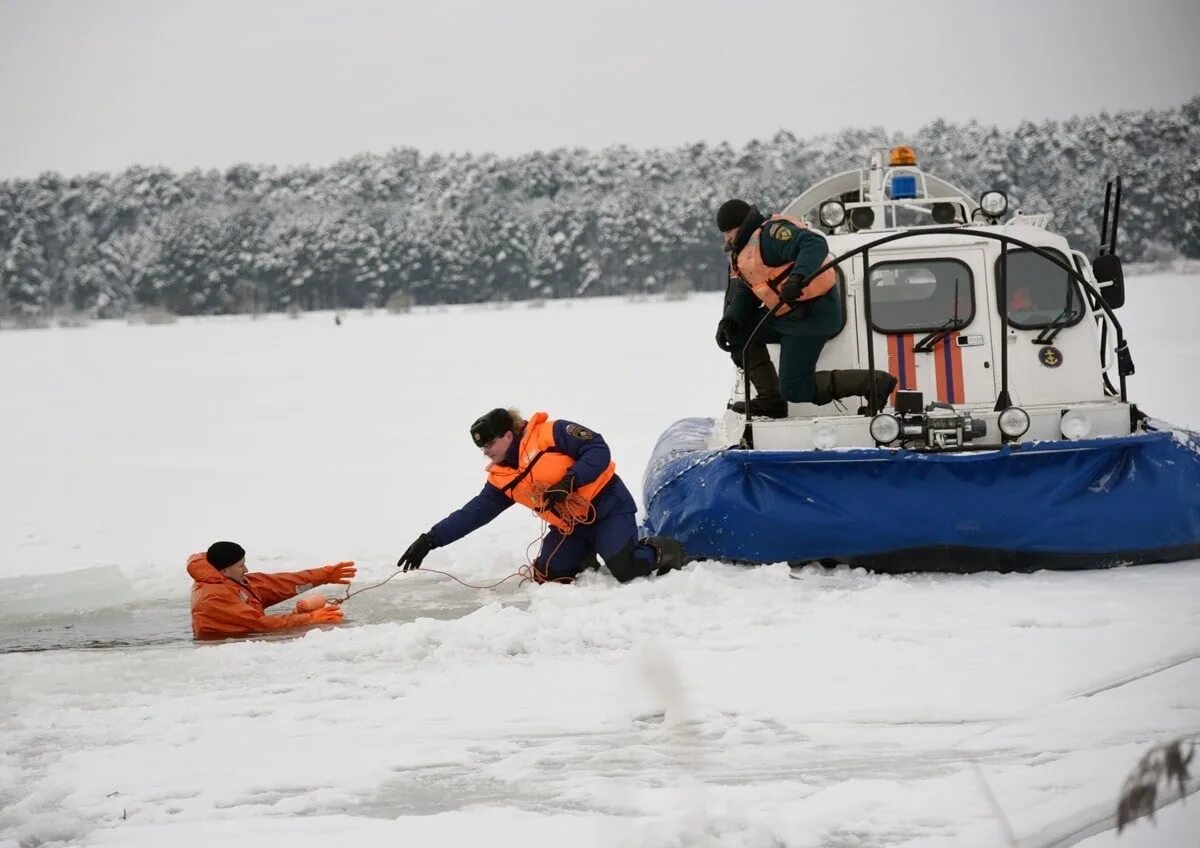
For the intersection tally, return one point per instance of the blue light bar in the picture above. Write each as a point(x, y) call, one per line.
point(904, 186)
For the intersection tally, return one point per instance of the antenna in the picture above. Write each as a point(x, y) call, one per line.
point(1112, 202)
point(1112, 242)
point(1104, 221)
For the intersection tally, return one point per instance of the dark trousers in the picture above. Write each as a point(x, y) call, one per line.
point(613, 536)
point(801, 336)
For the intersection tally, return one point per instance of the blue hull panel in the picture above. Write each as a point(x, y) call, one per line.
point(1087, 504)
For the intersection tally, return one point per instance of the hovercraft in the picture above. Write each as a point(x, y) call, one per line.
point(1009, 442)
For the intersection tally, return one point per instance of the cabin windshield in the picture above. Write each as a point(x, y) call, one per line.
point(1040, 293)
point(921, 295)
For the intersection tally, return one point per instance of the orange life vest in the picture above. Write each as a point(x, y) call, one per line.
point(541, 464)
point(764, 280)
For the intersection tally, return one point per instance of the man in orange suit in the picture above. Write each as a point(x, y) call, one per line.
point(227, 600)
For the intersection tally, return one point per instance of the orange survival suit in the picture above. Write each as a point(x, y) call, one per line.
point(223, 607)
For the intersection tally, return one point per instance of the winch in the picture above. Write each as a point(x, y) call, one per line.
point(938, 426)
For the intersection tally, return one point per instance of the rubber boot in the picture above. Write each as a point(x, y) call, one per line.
point(855, 382)
point(626, 565)
point(768, 402)
point(668, 553)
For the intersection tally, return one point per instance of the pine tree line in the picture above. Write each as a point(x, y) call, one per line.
point(561, 223)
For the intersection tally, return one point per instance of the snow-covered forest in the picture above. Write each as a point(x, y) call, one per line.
point(560, 223)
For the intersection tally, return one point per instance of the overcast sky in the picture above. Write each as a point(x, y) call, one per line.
point(103, 84)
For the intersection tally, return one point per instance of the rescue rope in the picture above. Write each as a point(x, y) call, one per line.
point(349, 594)
point(395, 574)
point(575, 510)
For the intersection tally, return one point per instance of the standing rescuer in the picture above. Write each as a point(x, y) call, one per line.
point(563, 472)
point(227, 600)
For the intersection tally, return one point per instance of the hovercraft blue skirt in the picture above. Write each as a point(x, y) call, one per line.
point(1092, 503)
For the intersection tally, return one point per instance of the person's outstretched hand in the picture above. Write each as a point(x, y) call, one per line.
point(342, 572)
point(416, 552)
point(328, 615)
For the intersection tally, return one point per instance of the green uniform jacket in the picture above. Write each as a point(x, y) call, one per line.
point(809, 250)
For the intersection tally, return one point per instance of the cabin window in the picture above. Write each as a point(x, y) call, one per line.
point(921, 295)
point(839, 291)
point(1040, 293)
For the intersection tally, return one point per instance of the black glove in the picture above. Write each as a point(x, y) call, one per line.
point(416, 552)
point(792, 288)
point(726, 328)
point(556, 495)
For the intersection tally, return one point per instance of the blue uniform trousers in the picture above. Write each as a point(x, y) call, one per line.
point(613, 536)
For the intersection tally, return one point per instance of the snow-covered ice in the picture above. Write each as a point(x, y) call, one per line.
point(717, 706)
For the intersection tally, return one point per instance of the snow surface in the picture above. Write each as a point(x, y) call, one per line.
point(717, 706)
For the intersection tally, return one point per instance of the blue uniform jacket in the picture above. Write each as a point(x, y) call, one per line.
point(591, 457)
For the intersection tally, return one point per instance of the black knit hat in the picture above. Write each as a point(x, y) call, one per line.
point(731, 214)
point(490, 426)
point(221, 555)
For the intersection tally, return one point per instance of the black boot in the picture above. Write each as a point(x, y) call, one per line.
point(761, 407)
point(625, 565)
point(768, 403)
point(668, 553)
point(855, 382)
